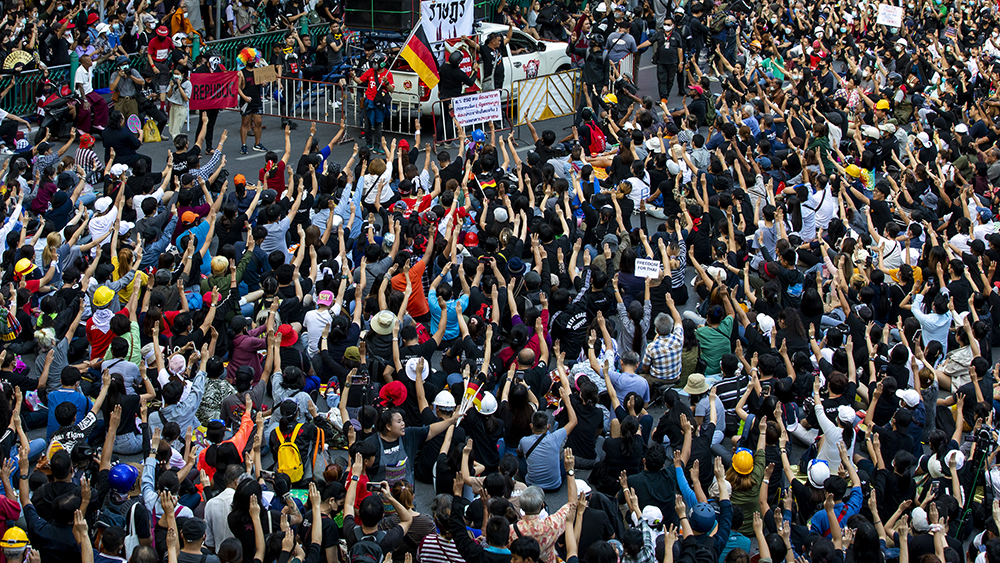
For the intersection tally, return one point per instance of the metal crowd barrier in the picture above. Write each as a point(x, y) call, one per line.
point(298, 98)
point(404, 109)
point(21, 99)
point(449, 127)
point(545, 97)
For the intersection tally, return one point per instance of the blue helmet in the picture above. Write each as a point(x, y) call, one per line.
point(478, 136)
point(122, 478)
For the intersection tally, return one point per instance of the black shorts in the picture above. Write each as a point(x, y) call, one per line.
point(251, 108)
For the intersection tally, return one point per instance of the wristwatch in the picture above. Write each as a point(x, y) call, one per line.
point(355, 477)
point(571, 472)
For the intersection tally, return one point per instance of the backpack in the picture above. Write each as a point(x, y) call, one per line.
point(289, 458)
point(366, 549)
point(123, 516)
point(597, 139)
point(694, 552)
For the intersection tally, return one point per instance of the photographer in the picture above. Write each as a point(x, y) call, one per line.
point(125, 83)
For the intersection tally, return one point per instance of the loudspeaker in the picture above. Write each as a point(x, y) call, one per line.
point(391, 15)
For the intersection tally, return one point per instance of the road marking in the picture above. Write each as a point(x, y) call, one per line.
point(253, 155)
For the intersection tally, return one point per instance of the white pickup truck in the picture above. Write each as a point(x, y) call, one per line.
point(533, 58)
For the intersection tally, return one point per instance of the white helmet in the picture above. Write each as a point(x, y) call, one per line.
point(445, 400)
point(488, 405)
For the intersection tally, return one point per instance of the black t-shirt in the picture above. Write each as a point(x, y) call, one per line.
point(181, 159)
point(231, 232)
point(295, 312)
point(616, 459)
point(590, 422)
point(270, 521)
point(427, 455)
point(881, 215)
point(485, 432)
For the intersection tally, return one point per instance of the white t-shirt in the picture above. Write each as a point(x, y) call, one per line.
point(85, 77)
point(314, 323)
point(3, 115)
point(100, 224)
point(137, 202)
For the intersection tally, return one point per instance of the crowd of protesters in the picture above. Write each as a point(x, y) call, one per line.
point(749, 318)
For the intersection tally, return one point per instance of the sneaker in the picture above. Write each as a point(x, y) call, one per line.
point(259, 147)
point(334, 104)
point(244, 150)
point(5, 151)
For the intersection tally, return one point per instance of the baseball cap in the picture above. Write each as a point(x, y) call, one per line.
point(909, 396)
point(325, 298)
point(193, 529)
point(189, 217)
point(239, 179)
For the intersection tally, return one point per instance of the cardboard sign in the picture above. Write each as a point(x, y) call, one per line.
point(647, 268)
point(890, 15)
point(214, 90)
point(478, 108)
point(265, 74)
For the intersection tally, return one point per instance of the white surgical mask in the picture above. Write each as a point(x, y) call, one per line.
point(668, 27)
point(774, 21)
point(178, 77)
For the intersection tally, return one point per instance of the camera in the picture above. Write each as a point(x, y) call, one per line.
point(373, 487)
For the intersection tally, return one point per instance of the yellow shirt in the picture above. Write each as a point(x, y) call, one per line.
point(125, 293)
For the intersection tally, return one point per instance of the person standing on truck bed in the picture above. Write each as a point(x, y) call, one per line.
point(453, 82)
point(491, 52)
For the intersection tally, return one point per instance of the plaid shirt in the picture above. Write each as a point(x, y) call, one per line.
point(205, 172)
point(545, 530)
point(648, 552)
point(663, 355)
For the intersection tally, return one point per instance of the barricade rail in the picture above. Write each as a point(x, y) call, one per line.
point(404, 109)
point(546, 97)
point(21, 99)
point(449, 127)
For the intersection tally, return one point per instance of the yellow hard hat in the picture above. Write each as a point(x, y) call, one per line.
point(853, 170)
point(610, 99)
point(743, 461)
point(882, 104)
point(24, 267)
point(14, 538)
point(103, 295)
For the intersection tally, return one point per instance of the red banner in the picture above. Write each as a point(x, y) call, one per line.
point(214, 90)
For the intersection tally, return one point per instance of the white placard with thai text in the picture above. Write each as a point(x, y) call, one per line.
point(478, 108)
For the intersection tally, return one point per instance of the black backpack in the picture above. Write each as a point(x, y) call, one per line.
point(366, 549)
point(114, 514)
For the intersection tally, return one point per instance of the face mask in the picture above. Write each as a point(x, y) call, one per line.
point(910, 6)
point(668, 27)
point(116, 27)
point(178, 77)
point(59, 8)
point(843, 30)
point(774, 21)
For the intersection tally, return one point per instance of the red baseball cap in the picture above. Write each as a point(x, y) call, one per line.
point(393, 392)
point(404, 145)
point(92, 18)
point(70, 26)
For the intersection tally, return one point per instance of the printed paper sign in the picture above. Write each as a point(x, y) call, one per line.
point(447, 19)
point(213, 90)
point(890, 15)
point(478, 108)
point(647, 268)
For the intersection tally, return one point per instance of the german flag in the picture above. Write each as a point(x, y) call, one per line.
point(417, 52)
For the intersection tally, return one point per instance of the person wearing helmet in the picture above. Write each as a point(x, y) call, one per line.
point(491, 53)
point(15, 545)
point(125, 82)
point(378, 78)
point(453, 83)
point(746, 474)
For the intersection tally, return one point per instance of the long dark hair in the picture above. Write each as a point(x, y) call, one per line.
point(629, 427)
point(116, 392)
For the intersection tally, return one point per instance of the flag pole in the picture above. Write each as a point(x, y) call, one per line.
point(408, 37)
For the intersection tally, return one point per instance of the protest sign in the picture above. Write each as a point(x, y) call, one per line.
point(447, 19)
point(890, 15)
point(213, 90)
point(478, 108)
point(647, 268)
point(265, 74)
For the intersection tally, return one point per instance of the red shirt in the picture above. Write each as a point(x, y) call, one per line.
point(417, 306)
point(100, 340)
point(277, 182)
point(385, 76)
point(160, 48)
point(416, 205)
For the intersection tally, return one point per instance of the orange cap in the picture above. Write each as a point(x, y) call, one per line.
point(189, 217)
point(239, 179)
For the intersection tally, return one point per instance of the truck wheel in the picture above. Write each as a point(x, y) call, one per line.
point(563, 68)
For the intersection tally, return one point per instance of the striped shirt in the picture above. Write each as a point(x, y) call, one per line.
point(90, 162)
point(436, 549)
